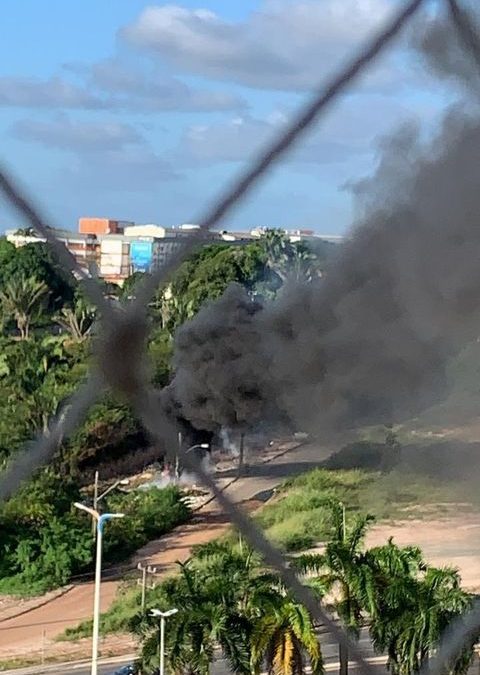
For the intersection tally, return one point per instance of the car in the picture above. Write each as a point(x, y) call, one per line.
point(126, 670)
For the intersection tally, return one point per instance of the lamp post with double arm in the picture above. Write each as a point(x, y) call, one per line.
point(100, 521)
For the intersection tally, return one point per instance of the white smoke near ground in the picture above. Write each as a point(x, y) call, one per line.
point(227, 438)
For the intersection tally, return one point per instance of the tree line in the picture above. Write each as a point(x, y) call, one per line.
point(46, 332)
point(231, 606)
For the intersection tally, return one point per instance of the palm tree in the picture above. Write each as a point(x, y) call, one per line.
point(281, 638)
point(340, 570)
point(415, 604)
point(228, 601)
point(22, 299)
point(287, 259)
point(277, 247)
point(77, 320)
point(212, 589)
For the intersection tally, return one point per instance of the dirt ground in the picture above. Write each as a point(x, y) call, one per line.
point(453, 541)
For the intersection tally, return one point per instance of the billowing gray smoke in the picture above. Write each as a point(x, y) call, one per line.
point(219, 379)
point(370, 341)
point(444, 53)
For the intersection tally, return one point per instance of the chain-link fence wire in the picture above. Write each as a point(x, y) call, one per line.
point(120, 353)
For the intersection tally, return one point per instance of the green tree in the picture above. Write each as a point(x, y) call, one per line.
point(413, 605)
point(281, 638)
point(37, 260)
point(291, 260)
point(130, 283)
point(22, 298)
point(341, 570)
point(77, 319)
point(226, 599)
point(205, 276)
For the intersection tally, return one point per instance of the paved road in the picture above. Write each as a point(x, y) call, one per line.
point(219, 667)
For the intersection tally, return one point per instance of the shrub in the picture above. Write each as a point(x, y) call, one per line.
point(359, 455)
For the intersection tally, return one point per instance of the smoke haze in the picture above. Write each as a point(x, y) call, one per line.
point(370, 342)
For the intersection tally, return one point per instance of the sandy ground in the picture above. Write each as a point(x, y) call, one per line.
point(453, 541)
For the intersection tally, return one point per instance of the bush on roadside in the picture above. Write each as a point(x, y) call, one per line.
point(45, 541)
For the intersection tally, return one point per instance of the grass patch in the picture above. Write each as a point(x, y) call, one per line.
point(298, 517)
point(15, 585)
point(115, 620)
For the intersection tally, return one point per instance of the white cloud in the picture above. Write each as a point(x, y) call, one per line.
point(32, 92)
point(78, 136)
point(347, 133)
point(285, 45)
point(146, 90)
point(101, 155)
point(111, 85)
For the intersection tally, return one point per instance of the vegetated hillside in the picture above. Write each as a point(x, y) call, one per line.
point(46, 541)
point(299, 516)
point(46, 325)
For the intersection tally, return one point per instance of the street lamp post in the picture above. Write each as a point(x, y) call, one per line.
point(161, 643)
point(203, 446)
point(97, 497)
point(100, 521)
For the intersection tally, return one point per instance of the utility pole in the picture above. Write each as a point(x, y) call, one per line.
point(241, 454)
point(177, 457)
point(145, 570)
point(95, 503)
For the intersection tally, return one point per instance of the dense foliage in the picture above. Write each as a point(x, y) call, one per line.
point(45, 541)
point(46, 328)
point(228, 601)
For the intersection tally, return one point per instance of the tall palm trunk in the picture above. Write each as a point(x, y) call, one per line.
point(343, 658)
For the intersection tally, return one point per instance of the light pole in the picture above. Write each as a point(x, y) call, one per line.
point(203, 446)
point(161, 644)
point(100, 521)
point(97, 497)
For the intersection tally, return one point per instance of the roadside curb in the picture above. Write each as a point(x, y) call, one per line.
point(68, 665)
point(61, 592)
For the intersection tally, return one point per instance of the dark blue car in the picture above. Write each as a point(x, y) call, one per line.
point(126, 670)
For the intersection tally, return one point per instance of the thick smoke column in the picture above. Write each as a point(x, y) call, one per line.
point(370, 342)
point(220, 378)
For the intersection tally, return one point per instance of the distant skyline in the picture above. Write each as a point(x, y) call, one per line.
point(144, 111)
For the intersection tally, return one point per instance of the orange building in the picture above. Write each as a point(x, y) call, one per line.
point(101, 226)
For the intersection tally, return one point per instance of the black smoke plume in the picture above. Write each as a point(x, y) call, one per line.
point(368, 343)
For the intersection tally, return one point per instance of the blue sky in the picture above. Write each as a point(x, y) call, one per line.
point(143, 111)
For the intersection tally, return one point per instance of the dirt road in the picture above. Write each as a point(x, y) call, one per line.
point(34, 629)
point(453, 540)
